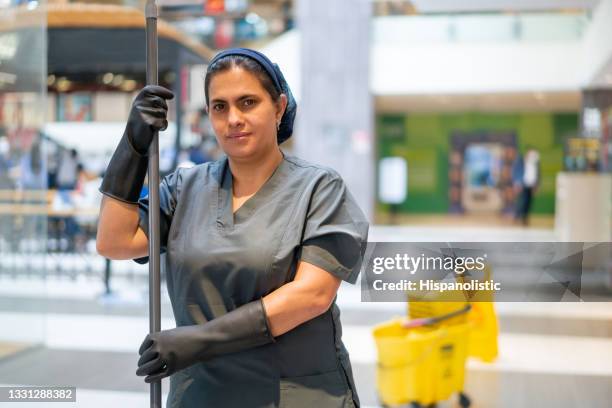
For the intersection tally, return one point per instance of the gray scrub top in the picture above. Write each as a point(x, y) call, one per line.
point(217, 261)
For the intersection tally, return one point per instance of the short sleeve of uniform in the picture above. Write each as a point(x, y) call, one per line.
point(168, 193)
point(335, 231)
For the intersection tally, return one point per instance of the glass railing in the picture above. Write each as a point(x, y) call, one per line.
point(480, 28)
point(23, 175)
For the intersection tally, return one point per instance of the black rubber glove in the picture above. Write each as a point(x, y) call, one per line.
point(128, 166)
point(166, 352)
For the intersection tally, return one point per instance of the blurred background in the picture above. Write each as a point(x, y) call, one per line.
point(450, 120)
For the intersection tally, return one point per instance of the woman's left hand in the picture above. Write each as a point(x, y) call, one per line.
point(168, 351)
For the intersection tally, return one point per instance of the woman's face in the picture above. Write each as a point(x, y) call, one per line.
point(243, 114)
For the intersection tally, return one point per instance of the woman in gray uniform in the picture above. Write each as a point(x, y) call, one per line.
point(256, 245)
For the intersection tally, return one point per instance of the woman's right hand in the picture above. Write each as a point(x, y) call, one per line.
point(127, 168)
point(148, 115)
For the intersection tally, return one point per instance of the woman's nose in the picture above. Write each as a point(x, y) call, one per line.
point(234, 117)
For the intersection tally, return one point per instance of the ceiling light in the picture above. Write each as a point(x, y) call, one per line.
point(117, 80)
point(128, 85)
point(63, 84)
point(107, 78)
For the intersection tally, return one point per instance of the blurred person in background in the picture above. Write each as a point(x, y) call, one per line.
point(85, 198)
point(33, 174)
point(526, 175)
point(517, 181)
point(53, 153)
point(5, 164)
point(257, 244)
point(68, 170)
point(65, 227)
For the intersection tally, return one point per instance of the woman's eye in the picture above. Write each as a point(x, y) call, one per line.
point(218, 107)
point(249, 102)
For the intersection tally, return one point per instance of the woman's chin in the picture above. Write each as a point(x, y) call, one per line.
point(238, 151)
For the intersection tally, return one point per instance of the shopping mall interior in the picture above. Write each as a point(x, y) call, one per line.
point(433, 112)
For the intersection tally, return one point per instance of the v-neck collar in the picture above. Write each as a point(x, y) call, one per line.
point(226, 218)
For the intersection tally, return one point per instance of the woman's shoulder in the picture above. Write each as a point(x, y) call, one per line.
point(311, 170)
point(206, 170)
point(194, 176)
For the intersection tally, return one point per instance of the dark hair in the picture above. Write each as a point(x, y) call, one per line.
point(246, 63)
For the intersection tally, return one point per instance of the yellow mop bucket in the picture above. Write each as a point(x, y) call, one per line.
point(483, 331)
point(420, 365)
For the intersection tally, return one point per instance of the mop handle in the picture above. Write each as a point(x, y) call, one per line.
point(154, 233)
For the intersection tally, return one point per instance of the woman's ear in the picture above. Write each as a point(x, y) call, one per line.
point(281, 106)
point(206, 109)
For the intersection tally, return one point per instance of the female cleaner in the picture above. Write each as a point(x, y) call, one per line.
point(257, 244)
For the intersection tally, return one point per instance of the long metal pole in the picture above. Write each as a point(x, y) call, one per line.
point(154, 233)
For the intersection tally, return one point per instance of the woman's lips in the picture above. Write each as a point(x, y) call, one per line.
point(238, 136)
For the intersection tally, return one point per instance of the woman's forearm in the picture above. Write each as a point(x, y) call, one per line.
point(119, 236)
point(306, 297)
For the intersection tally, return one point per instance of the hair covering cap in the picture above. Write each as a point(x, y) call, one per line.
point(257, 56)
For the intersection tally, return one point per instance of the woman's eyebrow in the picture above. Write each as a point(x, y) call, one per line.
point(238, 99)
point(247, 96)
